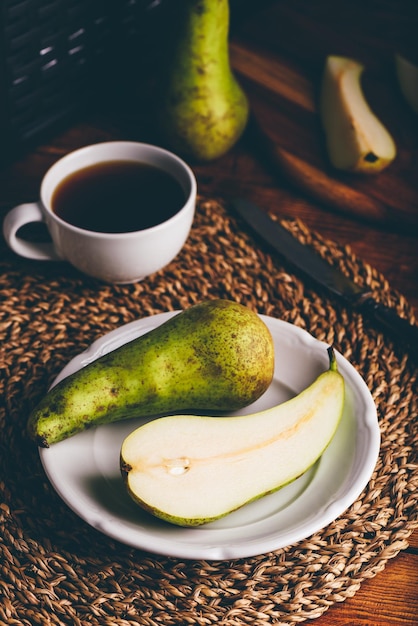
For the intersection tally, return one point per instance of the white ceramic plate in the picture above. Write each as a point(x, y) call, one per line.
point(84, 469)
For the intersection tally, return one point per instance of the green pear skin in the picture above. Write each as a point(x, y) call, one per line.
point(216, 355)
point(202, 109)
point(190, 470)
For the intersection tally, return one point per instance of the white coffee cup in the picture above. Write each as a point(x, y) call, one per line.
point(111, 257)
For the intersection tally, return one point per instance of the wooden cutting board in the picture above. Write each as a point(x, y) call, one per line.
point(286, 83)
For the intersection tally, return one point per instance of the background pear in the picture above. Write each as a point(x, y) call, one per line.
point(190, 470)
point(202, 110)
point(356, 139)
point(217, 355)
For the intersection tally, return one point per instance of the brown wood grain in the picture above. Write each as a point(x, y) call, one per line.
point(382, 601)
point(293, 138)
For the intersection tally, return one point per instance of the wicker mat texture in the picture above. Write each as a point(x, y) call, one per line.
point(56, 569)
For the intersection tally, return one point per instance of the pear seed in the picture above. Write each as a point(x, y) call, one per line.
point(177, 467)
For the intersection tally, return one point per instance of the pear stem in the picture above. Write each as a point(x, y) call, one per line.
point(332, 359)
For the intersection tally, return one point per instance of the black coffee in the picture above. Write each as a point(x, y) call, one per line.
point(118, 197)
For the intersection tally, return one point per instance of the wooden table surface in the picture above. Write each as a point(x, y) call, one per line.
point(277, 52)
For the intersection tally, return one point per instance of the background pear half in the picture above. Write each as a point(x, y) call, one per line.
point(201, 109)
point(356, 139)
point(190, 470)
point(216, 355)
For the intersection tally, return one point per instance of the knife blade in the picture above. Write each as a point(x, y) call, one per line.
point(316, 268)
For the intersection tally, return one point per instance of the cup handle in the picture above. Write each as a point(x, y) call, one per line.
point(14, 220)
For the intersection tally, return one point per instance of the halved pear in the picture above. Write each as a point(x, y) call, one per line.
point(189, 469)
point(356, 139)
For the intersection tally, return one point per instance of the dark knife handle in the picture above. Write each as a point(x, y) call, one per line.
point(406, 332)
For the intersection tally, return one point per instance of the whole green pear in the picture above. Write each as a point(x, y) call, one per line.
point(202, 110)
point(216, 355)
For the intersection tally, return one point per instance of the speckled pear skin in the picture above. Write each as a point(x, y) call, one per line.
point(215, 356)
point(202, 109)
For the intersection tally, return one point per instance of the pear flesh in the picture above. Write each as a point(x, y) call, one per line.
point(356, 139)
point(215, 356)
point(202, 109)
point(190, 470)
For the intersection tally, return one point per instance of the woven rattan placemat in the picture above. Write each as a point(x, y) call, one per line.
point(56, 569)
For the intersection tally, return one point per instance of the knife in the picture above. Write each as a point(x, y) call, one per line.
point(311, 264)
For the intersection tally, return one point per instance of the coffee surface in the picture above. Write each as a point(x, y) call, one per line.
point(118, 197)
